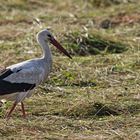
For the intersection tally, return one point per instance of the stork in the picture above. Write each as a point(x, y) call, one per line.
point(19, 80)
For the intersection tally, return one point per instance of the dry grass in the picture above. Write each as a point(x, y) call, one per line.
point(89, 97)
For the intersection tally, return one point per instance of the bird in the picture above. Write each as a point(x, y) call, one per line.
point(18, 81)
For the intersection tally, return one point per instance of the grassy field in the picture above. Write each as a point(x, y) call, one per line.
point(94, 96)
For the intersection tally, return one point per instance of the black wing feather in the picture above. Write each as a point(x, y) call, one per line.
point(7, 87)
point(4, 73)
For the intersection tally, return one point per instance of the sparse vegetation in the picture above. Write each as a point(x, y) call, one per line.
point(94, 96)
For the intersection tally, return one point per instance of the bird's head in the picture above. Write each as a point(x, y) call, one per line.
point(48, 37)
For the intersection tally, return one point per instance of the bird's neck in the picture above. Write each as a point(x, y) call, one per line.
point(46, 50)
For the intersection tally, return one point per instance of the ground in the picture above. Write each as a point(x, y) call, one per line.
point(94, 96)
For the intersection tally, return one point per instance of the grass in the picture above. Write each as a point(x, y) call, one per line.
point(94, 96)
point(84, 44)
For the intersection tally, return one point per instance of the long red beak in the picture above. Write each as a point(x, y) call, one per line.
point(58, 46)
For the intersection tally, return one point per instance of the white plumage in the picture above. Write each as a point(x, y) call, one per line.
point(19, 80)
point(32, 71)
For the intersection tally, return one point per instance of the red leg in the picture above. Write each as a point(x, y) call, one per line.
point(23, 110)
point(9, 113)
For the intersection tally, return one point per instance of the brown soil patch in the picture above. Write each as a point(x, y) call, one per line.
point(120, 19)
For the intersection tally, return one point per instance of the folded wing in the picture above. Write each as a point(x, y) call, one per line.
point(19, 80)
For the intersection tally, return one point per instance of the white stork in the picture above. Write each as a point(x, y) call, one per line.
point(19, 80)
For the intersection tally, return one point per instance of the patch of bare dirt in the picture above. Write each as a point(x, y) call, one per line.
point(120, 19)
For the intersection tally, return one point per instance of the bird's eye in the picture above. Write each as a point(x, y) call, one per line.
point(49, 36)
